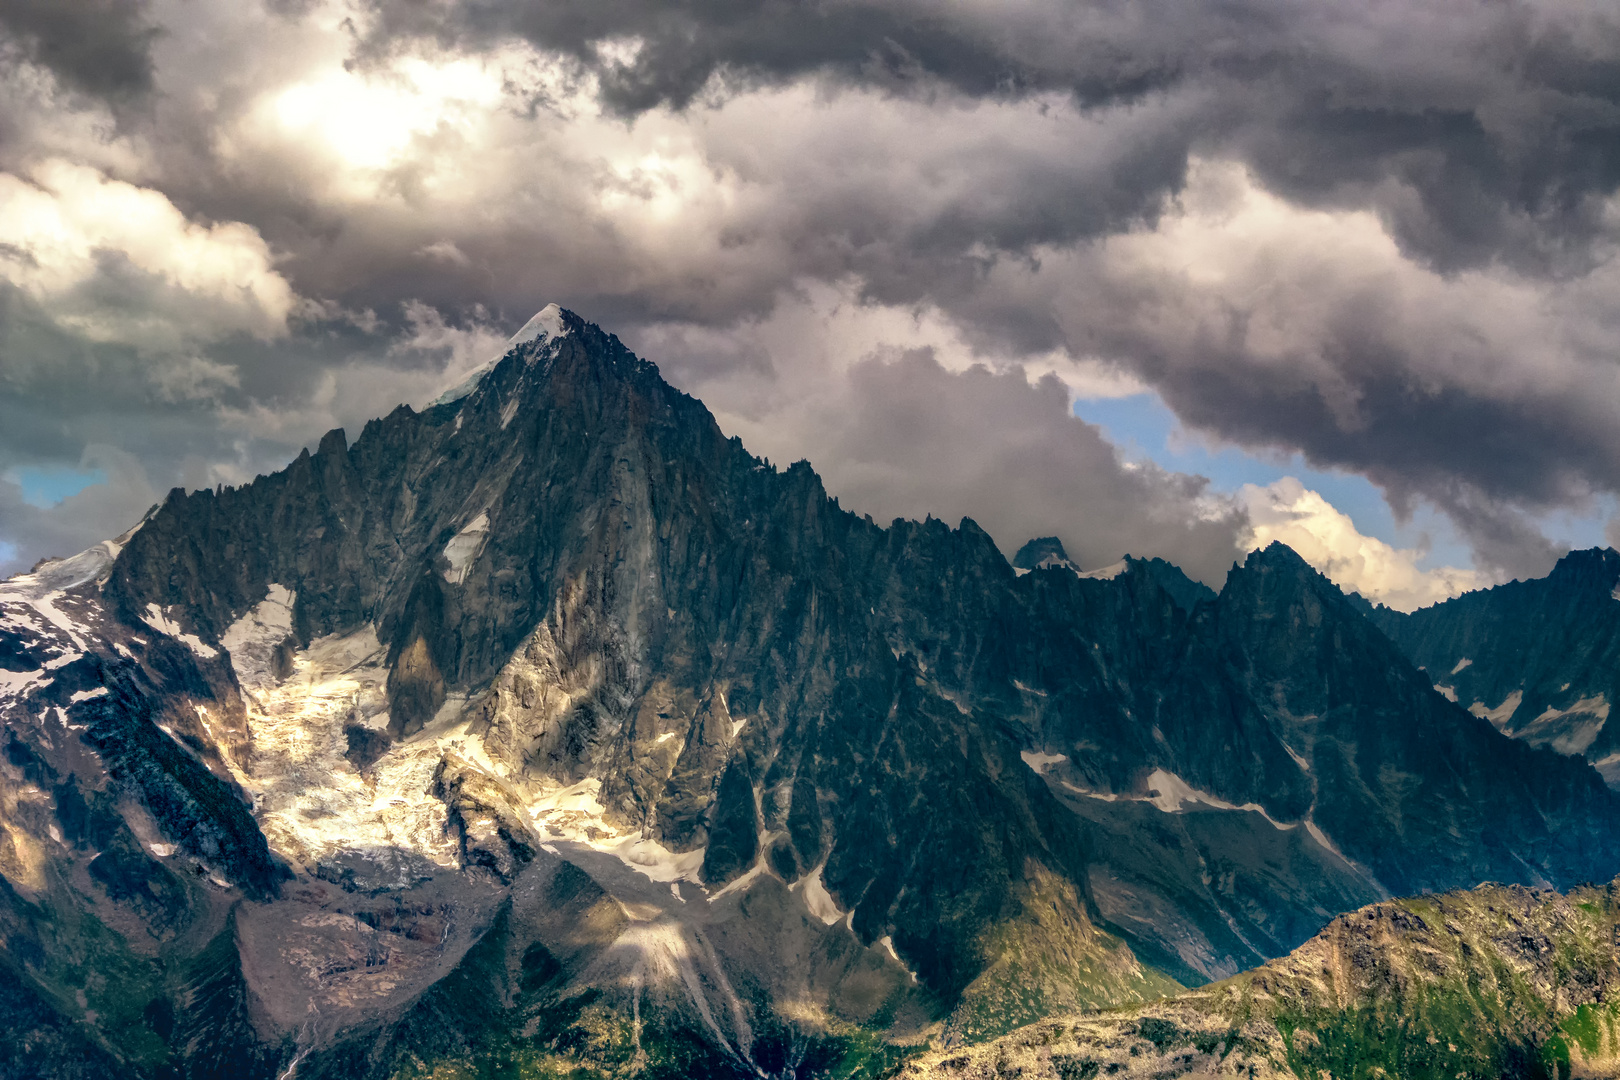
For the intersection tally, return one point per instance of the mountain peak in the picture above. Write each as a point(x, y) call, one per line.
point(550, 323)
point(1278, 576)
point(1042, 552)
point(1275, 555)
point(1590, 568)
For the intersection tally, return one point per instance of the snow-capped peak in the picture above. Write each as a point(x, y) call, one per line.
point(547, 324)
point(547, 321)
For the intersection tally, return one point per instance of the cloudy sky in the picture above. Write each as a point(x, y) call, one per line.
point(1156, 277)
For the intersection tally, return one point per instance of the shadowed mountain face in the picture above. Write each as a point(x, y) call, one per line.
point(548, 725)
point(1539, 659)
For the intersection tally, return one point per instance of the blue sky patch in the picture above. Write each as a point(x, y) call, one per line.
point(46, 485)
point(1144, 428)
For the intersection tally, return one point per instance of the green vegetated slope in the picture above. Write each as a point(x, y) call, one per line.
point(1497, 981)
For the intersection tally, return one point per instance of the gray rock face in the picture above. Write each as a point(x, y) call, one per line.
point(554, 699)
point(1539, 659)
point(1041, 553)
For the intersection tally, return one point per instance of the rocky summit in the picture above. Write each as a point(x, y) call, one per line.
point(548, 732)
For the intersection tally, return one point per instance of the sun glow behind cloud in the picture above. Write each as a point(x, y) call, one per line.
point(369, 120)
point(365, 123)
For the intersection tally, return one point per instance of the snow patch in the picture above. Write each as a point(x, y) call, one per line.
point(1572, 739)
point(86, 695)
point(753, 874)
point(887, 942)
point(1331, 848)
point(1102, 797)
point(1463, 663)
point(658, 862)
point(1447, 692)
point(59, 575)
point(157, 620)
point(818, 899)
point(1171, 794)
point(464, 547)
point(1597, 706)
point(467, 385)
point(1299, 759)
point(1041, 762)
point(310, 800)
point(1321, 837)
point(56, 618)
point(573, 813)
point(16, 683)
point(1500, 715)
point(545, 325)
point(1174, 793)
point(253, 639)
point(1107, 573)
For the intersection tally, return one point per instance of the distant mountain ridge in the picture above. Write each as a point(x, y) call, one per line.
point(550, 725)
point(1540, 659)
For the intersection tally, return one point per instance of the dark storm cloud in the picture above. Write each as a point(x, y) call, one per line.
point(682, 46)
point(913, 439)
point(1484, 137)
point(1477, 458)
point(1002, 168)
point(101, 47)
point(1501, 120)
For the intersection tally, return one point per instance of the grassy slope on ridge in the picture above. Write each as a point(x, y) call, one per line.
point(1497, 981)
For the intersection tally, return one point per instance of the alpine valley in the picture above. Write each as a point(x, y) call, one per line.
point(546, 732)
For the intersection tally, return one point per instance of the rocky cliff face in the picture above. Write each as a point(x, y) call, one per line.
point(1497, 982)
point(549, 726)
point(1539, 659)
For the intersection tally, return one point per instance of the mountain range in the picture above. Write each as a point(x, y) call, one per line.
point(1539, 659)
point(547, 731)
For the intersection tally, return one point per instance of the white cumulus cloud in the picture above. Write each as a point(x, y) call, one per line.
point(114, 262)
point(1325, 537)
